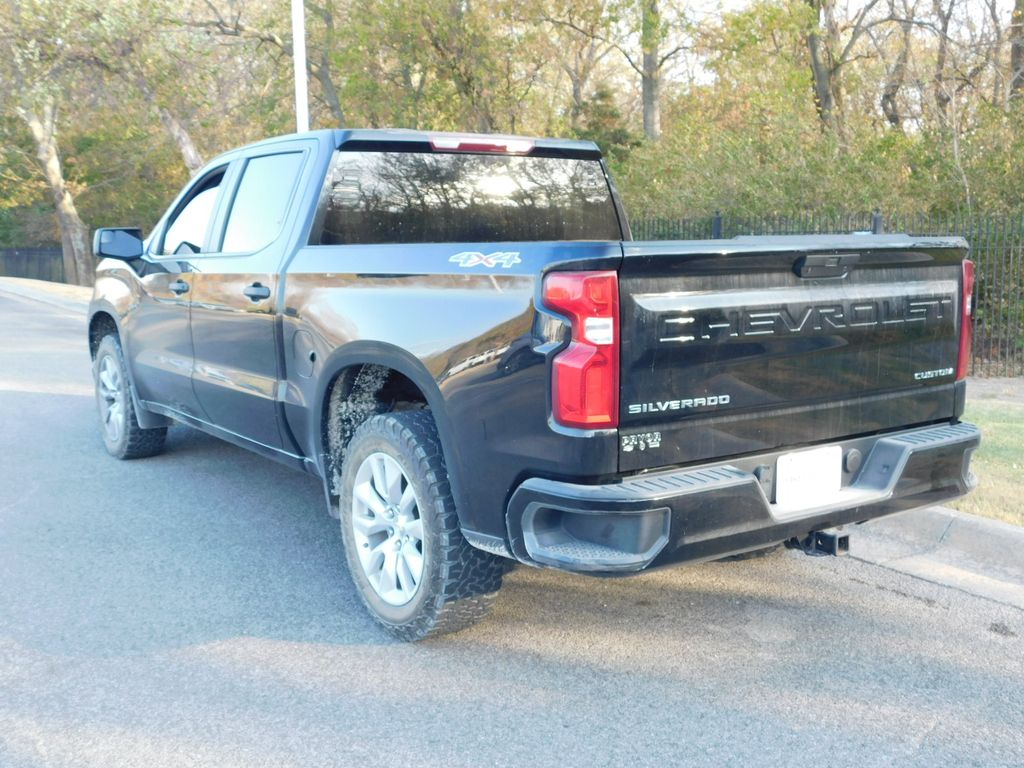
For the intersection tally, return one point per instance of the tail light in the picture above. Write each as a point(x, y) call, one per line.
point(966, 320)
point(585, 379)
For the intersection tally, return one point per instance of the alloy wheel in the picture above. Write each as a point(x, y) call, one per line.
point(388, 529)
point(110, 387)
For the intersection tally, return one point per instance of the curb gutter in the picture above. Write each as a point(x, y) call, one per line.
point(976, 555)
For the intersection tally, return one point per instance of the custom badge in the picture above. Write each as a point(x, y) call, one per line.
point(468, 259)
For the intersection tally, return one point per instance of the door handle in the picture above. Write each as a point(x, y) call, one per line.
point(178, 287)
point(257, 292)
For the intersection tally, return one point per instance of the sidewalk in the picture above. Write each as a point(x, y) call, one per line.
point(974, 554)
point(70, 298)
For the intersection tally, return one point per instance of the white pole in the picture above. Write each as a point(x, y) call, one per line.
point(299, 61)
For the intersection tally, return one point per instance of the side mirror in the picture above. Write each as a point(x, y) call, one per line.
point(117, 243)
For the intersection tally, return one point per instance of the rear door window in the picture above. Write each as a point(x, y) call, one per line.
point(261, 202)
point(418, 197)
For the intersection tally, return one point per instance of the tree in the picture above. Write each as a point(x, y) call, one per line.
point(943, 14)
point(41, 119)
point(491, 56)
point(777, 106)
point(255, 23)
point(896, 71)
point(175, 128)
point(653, 61)
point(618, 28)
point(651, 33)
point(832, 46)
point(135, 44)
point(39, 46)
point(579, 42)
point(601, 122)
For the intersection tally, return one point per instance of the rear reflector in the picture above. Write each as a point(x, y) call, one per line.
point(585, 375)
point(966, 320)
point(478, 144)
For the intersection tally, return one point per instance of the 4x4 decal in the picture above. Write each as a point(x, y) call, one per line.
point(504, 259)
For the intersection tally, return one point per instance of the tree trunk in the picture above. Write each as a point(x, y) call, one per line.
point(1017, 50)
point(322, 75)
point(896, 76)
point(177, 130)
point(650, 40)
point(174, 127)
point(823, 69)
point(822, 76)
point(576, 111)
point(323, 72)
point(941, 93)
point(78, 262)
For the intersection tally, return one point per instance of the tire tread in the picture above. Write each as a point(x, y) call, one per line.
point(470, 577)
point(138, 443)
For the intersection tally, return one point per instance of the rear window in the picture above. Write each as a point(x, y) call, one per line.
point(412, 197)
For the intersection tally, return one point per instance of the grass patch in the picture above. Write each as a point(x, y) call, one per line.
point(998, 463)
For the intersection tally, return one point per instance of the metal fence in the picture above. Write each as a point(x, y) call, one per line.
point(997, 248)
point(37, 263)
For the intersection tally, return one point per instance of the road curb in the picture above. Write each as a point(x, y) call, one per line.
point(977, 555)
point(56, 295)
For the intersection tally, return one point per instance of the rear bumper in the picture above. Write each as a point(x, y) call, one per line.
point(720, 509)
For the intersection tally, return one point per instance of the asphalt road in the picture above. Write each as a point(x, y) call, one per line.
point(192, 610)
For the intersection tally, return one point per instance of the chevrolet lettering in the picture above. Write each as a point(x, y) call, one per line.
point(714, 325)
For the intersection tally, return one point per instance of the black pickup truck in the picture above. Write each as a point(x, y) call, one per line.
point(458, 334)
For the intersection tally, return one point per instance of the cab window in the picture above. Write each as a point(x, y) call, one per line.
point(186, 233)
point(261, 202)
point(435, 197)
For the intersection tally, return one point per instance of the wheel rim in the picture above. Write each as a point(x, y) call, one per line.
point(387, 528)
point(110, 388)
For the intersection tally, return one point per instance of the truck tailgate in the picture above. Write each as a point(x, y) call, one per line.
point(731, 347)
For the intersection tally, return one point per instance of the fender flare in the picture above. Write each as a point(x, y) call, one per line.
point(102, 306)
point(381, 353)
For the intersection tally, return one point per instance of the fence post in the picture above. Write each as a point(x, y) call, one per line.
point(877, 225)
point(716, 226)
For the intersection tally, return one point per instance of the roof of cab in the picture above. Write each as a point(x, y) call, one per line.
point(383, 139)
point(397, 136)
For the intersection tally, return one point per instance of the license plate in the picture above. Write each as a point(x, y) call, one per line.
point(808, 478)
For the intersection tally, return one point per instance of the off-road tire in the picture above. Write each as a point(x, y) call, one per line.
point(459, 582)
point(133, 442)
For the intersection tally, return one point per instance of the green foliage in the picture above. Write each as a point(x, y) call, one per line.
point(601, 122)
point(750, 142)
point(740, 128)
point(997, 463)
point(125, 173)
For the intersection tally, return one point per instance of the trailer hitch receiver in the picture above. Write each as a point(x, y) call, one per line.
point(832, 541)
